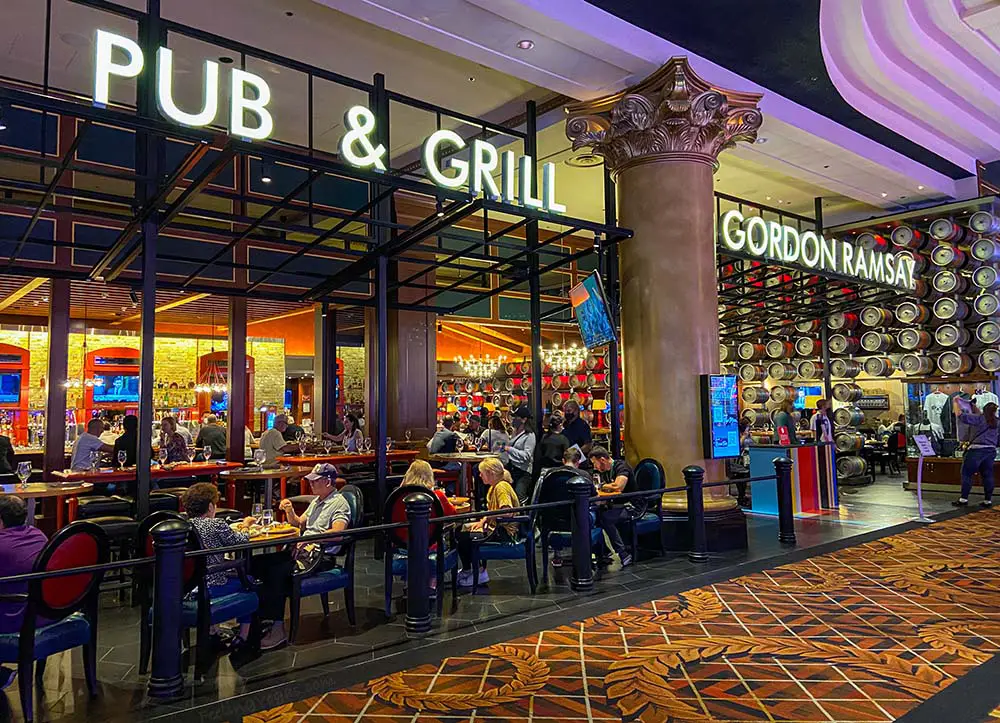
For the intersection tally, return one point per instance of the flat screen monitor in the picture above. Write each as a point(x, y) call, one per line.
point(720, 416)
point(116, 388)
point(805, 397)
point(220, 402)
point(590, 306)
point(10, 388)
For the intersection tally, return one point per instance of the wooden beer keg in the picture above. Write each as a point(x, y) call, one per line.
point(945, 229)
point(847, 393)
point(843, 321)
point(510, 368)
point(779, 349)
point(952, 335)
point(808, 327)
point(986, 277)
point(948, 282)
point(848, 417)
point(594, 362)
point(987, 304)
point(921, 289)
point(948, 256)
point(754, 395)
point(558, 398)
point(913, 339)
point(989, 360)
point(916, 364)
point(841, 344)
point(781, 393)
point(848, 441)
point(984, 222)
point(752, 373)
point(872, 241)
point(845, 368)
point(986, 250)
point(727, 353)
point(873, 316)
point(780, 370)
point(809, 369)
point(748, 351)
point(852, 466)
point(808, 346)
point(526, 383)
point(988, 332)
point(910, 312)
point(879, 366)
point(948, 308)
point(756, 417)
point(908, 237)
point(953, 362)
point(876, 341)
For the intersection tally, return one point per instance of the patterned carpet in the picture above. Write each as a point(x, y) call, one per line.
point(863, 634)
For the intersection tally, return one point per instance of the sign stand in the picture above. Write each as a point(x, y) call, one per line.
point(926, 449)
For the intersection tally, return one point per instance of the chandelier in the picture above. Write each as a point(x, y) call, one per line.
point(562, 358)
point(217, 381)
point(483, 367)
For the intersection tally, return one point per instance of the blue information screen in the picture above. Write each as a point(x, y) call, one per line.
point(720, 412)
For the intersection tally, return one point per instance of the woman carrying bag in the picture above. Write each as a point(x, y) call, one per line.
point(982, 450)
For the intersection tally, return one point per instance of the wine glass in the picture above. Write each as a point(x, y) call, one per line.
point(258, 511)
point(122, 456)
point(302, 444)
point(368, 444)
point(95, 460)
point(408, 434)
point(23, 472)
point(388, 444)
point(299, 436)
point(207, 452)
point(162, 456)
point(267, 518)
point(191, 453)
point(328, 445)
point(259, 456)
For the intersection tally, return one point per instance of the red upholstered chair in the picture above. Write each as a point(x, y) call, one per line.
point(60, 613)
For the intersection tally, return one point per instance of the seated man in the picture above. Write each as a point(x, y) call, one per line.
point(88, 442)
point(213, 435)
point(329, 512)
point(613, 476)
point(273, 442)
point(19, 546)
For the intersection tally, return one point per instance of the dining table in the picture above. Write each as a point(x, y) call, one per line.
point(283, 474)
point(35, 491)
point(339, 458)
point(466, 460)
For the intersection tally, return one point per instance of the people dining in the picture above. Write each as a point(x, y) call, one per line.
point(350, 436)
point(495, 437)
point(172, 441)
point(273, 443)
point(421, 473)
point(614, 476)
point(108, 436)
point(328, 512)
point(212, 434)
point(473, 428)
point(128, 441)
point(499, 495)
point(520, 452)
point(88, 443)
point(445, 439)
point(200, 503)
point(292, 430)
point(20, 544)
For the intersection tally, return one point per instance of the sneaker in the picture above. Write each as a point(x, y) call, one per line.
point(7, 676)
point(275, 638)
point(557, 561)
point(465, 578)
point(484, 577)
point(605, 559)
point(960, 502)
point(626, 560)
point(986, 503)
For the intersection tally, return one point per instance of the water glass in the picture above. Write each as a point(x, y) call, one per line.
point(267, 518)
point(162, 456)
point(207, 452)
point(191, 452)
point(122, 456)
point(388, 444)
point(24, 472)
point(302, 445)
point(368, 444)
point(299, 436)
point(259, 456)
point(95, 460)
point(258, 511)
point(408, 434)
point(328, 445)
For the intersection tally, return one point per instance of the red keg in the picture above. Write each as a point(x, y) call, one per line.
point(526, 383)
point(872, 241)
point(843, 321)
point(748, 351)
point(594, 362)
point(808, 327)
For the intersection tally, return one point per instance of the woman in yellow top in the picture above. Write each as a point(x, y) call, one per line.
point(499, 496)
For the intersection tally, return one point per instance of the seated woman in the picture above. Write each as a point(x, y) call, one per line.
point(200, 503)
point(499, 496)
point(172, 440)
point(421, 473)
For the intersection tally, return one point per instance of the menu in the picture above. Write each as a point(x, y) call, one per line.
point(720, 416)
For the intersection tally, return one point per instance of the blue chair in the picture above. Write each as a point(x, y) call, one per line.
point(644, 514)
point(312, 581)
point(439, 557)
point(67, 605)
point(555, 523)
point(521, 548)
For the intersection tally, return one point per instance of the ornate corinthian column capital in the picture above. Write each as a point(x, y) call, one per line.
point(671, 114)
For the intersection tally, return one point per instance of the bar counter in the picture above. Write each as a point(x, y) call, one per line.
point(814, 477)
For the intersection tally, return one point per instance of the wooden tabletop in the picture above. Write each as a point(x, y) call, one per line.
point(254, 473)
point(396, 455)
point(38, 490)
point(170, 471)
point(462, 457)
point(294, 532)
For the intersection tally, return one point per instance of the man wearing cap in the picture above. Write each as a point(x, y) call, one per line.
point(328, 512)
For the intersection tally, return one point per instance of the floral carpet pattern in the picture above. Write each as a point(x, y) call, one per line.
point(866, 633)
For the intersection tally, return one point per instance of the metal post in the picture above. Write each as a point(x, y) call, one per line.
point(55, 401)
point(786, 523)
point(418, 607)
point(169, 542)
point(534, 289)
point(381, 211)
point(610, 258)
point(580, 489)
point(824, 340)
point(694, 478)
point(237, 365)
point(328, 373)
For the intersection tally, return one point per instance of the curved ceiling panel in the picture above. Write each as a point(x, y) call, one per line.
point(927, 69)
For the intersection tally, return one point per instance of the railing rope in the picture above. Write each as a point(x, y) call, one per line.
point(169, 542)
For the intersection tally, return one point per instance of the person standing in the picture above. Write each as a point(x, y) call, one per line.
point(521, 452)
point(785, 419)
point(495, 437)
point(575, 429)
point(212, 434)
point(981, 453)
point(20, 544)
point(554, 443)
point(614, 476)
point(820, 424)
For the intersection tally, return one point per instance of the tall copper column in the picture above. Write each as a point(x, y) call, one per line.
point(661, 140)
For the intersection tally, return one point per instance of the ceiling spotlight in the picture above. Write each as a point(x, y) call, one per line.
point(225, 60)
point(472, 79)
point(265, 172)
point(920, 188)
point(884, 195)
point(761, 139)
point(133, 296)
point(525, 44)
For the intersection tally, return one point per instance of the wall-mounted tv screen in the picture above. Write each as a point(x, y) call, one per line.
point(805, 397)
point(590, 306)
point(10, 388)
point(114, 388)
point(220, 402)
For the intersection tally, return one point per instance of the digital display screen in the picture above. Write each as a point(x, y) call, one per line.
point(590, 307)
point(10, 388)
point(804, 395)
point(220, 401)
point(112, 388)
point(720, 416)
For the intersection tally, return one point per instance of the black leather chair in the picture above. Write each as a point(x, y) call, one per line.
point(555, 523)
point(644, 513)
point(101, 506)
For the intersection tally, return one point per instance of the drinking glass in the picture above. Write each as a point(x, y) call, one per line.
point(267, 518)
point(95, 460)
point(388, 444)
point(302, 445)
point(191, 453)
point(328, 445)
point(207, 452)
point(258, 511)
point(122, 456)
point(259, 456)
point(162, 456)
point(299, 436)
point(24, 472)
point(368, 444)
point(408, 434)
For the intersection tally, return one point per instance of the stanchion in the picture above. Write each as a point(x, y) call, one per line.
point(582, 578)
point(418, 610)
point(783, 478)
point(169, 543)
point(694, 478)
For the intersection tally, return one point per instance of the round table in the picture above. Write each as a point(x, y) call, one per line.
point(244, 474)
point(39, 490)
point(466, 459)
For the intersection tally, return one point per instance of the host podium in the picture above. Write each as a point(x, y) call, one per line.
point(814, 478)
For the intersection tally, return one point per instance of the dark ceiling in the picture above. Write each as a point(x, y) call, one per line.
point(772, 42)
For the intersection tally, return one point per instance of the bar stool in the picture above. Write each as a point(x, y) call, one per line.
point(120, 530)
point(93, 507)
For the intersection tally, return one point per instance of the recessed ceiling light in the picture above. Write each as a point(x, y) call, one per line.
point(525, 44)
point(225, 59)
point(584, 160)
point(884, 194)
point(920, 188)
point(762, 139)
point(472, 79)
point(289, 13)
point(768, 198)
point(826, 166)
